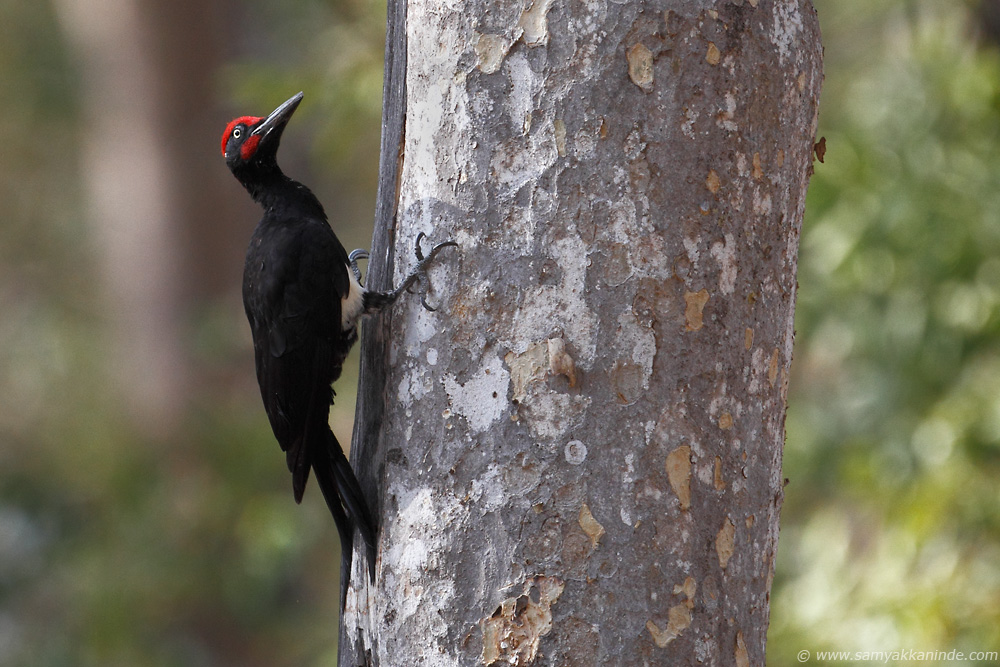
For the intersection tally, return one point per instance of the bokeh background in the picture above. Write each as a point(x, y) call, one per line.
point(145, 514)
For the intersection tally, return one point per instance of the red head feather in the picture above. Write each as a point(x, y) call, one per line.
point(250, 145)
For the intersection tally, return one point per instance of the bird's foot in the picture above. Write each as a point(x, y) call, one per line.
point(419, 274)
point(434, 251)
point(359, 253)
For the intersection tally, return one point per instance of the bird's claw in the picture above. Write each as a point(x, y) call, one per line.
point(422, 264)
point(359, 253)
point(417, 250)
point(434, 251)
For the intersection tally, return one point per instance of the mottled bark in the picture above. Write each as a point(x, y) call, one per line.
point(580, 457)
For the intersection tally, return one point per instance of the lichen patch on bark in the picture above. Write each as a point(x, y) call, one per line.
point(712, 181)
point(512, 633)
point(688, 588)
point(590, 526)
point(534, 23)
point(725, 542)
point(679, 474)
point(712, 55)
point(560, 361)
point(418, 546)
point(678, 620)
point(526, 368)
point(786, 29)
point(741, 656)
point(640, 66)
point(695, 305)
point(491, 50)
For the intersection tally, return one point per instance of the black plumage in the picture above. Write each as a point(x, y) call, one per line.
point(302, 297)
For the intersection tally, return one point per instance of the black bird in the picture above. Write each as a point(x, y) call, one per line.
point(303, 297)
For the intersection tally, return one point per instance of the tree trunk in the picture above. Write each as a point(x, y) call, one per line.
point(579, 458)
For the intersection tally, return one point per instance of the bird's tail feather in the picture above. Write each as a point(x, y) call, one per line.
point(347, 504)
point(354, 501)
point(328, 485)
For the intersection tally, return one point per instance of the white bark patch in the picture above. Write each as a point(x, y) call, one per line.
point(413, 385)
point(520, 226)
point(488, 491)
point(562, 306)
point(551, 415)
point(634, 145)
point(521, 161)
point(725, 120)
point(706, 473)
point(788, 342)
point(438, 124)
point(416, 381)
point(639, 342)
point(644, 255)
point(622, 221)
point(628, 479)
point(482, 399)
point(742, 166)
point(725, 255)
point(693, 252)
point(419, 544)
point(690, 118)
point(585, 143)
point(758, 370)
point(761, 202)
point(575, 452)
point(421, 326)
point(787, 28)
point(525, 85)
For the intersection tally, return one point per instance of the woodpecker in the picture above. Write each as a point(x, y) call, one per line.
point(303, 298)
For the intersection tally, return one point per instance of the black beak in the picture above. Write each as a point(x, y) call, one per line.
point(275, 123)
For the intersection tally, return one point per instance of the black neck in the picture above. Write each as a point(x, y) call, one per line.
point(269, 187)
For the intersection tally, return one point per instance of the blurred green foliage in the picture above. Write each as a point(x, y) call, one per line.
point(337, 58)
point(891, 525)
point(117, 550)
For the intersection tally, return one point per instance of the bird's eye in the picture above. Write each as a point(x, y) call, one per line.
point(237, 133)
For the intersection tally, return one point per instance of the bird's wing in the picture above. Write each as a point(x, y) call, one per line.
point(295, 345)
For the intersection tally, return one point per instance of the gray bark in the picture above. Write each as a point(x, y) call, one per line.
point(579, 458)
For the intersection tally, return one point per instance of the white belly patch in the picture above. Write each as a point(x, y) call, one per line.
point(353, 304)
